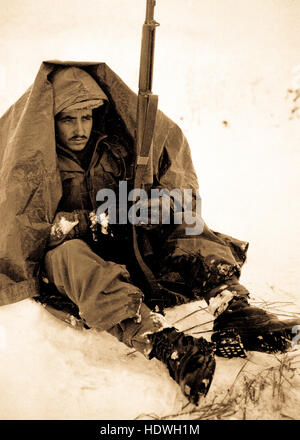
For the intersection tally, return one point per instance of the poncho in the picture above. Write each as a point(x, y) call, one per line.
point(31, 187)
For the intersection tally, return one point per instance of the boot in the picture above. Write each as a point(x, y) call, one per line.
point(252, 327)
point(190, 361)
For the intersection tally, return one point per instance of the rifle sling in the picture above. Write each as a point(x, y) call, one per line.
point(142, 161)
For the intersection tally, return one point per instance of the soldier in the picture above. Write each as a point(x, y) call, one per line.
point(93, 266)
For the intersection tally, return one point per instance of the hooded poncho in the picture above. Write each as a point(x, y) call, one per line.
point(30, 181)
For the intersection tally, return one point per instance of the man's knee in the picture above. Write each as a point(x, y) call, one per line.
point(64, 255)
point(74, 245)
point(67, 248)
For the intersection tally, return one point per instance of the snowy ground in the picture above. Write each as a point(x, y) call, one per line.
point(222, 71)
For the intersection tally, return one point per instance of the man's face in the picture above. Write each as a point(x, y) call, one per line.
point(73, 128)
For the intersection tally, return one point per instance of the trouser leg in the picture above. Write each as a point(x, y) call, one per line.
point(222, 259)
point(208, 264)
point(219, 298)
point(135, 334)
point(102, 290)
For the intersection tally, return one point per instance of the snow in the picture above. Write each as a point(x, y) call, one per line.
point(222, 72)
point(63, 227)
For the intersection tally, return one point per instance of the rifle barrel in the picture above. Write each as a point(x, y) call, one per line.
point(147, 50)
point(150, 10)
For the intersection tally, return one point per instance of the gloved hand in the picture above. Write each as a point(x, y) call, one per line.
point(69, 225)
point(155, 212)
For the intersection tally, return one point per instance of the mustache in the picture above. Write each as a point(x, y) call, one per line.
point(77, 138)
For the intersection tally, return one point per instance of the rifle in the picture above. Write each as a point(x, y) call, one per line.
point(147, 102)
point(145, 123)
point(159, 297)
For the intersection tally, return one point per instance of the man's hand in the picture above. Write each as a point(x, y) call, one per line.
point(69, 225)
point(155, 212)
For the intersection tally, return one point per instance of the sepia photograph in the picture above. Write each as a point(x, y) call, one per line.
point(149, 212)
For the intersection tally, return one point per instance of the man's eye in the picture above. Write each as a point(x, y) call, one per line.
point(64, 120)
point(88, 118)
